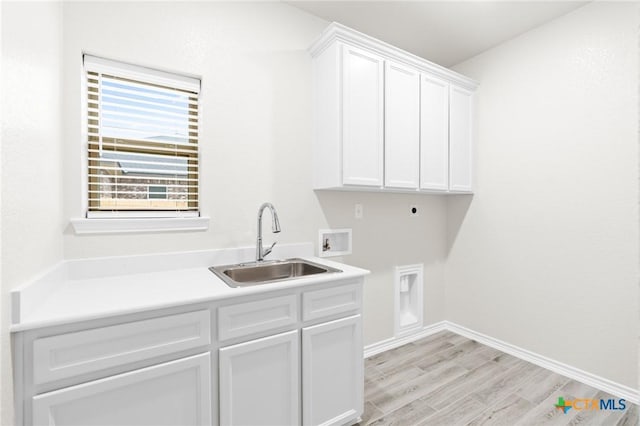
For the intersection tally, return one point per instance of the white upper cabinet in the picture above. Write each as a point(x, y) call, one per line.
point(460, 139)
point(362, 117)
point(387, 120)
point(434, 133)
point(402, 126)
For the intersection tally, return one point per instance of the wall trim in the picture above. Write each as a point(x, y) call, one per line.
point(598, 382)
point(395, 342)
point(338, 32)
point(122, 225)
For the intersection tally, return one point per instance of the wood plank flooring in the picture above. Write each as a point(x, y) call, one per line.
point(447, 379)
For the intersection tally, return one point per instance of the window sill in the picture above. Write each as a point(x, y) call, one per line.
point(84, 226)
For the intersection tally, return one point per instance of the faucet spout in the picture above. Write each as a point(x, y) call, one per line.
point(275, 223)
point(275, 228)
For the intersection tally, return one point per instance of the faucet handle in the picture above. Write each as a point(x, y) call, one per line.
point(267, 251)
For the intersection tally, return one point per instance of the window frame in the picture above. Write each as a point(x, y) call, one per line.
point(148, 75)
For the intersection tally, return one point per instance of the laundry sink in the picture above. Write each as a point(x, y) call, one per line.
point(258, 273)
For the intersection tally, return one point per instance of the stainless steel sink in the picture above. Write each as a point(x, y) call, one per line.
point(258, 273)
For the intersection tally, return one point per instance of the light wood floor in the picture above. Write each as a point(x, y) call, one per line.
point(447, 379)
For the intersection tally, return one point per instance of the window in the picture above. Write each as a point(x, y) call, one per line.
point(142, 141)
point(158, 192)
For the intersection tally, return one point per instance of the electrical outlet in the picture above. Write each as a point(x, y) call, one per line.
point(359, 211)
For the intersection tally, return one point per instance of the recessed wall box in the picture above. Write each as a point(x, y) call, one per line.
point(334, 242)
point(408, 300)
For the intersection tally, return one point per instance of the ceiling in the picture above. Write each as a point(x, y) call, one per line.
point(444, 32)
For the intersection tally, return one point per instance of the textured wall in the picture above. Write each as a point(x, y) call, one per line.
point(546, 255)
point(31, 211)
point(255, 144)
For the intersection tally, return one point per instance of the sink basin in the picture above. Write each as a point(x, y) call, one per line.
point(258, 273)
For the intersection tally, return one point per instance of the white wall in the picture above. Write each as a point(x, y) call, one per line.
point(31, 211)
point(256, 112)
point(546, 255)
point(2, 385)
point(556, 219)
point(256, 143)
point(386, 237)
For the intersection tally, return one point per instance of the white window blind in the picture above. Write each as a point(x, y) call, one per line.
point(142, 139)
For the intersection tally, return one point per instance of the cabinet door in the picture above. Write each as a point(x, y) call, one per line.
point(88, 351)
point(332, 372)
point(402, 126)
point(173, 393)
point(434, 133)
point(460, 139)
point(362, 120)
point(259, 382)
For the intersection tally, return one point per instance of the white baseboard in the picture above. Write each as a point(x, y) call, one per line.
point(600, 383)
point(394, 342)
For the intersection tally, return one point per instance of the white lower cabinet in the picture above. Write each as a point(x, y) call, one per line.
point(173, 393)
point(286, 379)
point(332, 372)
point(67, 355)
point(260, 379)
point(289, 358)
point(259, 382)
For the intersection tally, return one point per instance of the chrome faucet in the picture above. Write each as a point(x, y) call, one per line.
point(275, 227)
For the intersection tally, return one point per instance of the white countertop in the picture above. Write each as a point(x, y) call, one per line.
point(74, 291)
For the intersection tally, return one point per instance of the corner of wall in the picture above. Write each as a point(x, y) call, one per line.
point(30, 207)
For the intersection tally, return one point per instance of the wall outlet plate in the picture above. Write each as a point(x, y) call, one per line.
point(358, 211)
